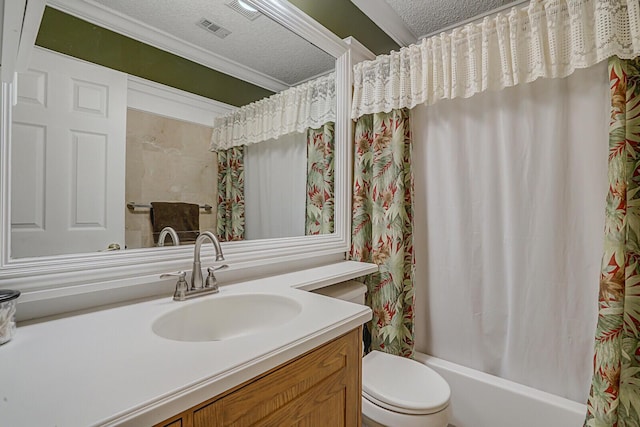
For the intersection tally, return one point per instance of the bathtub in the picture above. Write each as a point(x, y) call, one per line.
point(483, 400)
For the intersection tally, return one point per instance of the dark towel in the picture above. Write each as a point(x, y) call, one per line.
point(182, 217)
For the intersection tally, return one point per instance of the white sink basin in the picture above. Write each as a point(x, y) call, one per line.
point(226, 317)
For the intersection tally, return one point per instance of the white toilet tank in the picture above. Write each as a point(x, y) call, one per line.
point(348, 291)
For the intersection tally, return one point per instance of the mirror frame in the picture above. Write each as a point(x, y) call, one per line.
point(44, 278)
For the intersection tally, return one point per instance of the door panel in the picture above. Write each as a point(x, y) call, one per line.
point(68, 157)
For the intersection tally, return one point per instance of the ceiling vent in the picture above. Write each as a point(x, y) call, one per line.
point(242, 9)
point(213, 28)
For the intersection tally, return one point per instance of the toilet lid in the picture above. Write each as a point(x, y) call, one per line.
point(403, 385)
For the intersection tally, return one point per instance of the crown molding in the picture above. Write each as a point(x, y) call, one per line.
point(32, 17)
point(162, 100)
point(292, 18)
point(359, 52)
point(385, 17)
point(99, 15)
point(11, 29)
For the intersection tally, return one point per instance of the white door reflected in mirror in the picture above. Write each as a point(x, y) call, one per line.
point(68, 148)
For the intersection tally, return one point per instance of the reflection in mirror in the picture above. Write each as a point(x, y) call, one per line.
point(167, 161)
point(271, 154)
point(87, 165)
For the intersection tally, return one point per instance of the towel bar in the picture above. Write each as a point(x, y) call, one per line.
point(134, 205)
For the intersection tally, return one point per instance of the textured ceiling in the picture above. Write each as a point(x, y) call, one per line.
point(262, 44)
point(424, 17)
point(266, 47)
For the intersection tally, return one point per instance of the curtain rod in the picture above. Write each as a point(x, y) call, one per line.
point(475, 18)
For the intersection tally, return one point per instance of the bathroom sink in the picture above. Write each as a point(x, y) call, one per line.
point(226, 317)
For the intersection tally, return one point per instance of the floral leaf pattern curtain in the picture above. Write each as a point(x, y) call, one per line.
point(383, 225)
point(231, 194)
point(320, 178)
point(614, 399)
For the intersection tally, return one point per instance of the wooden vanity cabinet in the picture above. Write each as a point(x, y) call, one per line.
point(319, 388)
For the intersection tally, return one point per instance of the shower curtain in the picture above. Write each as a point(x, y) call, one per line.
point(320, 192)
point(614, 399)
point(508, 229)
point(231, 194)
point(382, 227)
point(275, 176)
point(509, 184)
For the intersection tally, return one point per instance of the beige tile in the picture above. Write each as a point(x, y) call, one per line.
point(167, 160)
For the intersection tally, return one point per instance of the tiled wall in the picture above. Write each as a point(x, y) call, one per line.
point(167, 160)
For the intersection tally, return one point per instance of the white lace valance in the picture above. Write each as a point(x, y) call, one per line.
point(309, 105)
point(548, 38)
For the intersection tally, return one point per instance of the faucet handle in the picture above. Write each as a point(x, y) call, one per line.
point(180, 274)
point(180, 293)
point(211, 281)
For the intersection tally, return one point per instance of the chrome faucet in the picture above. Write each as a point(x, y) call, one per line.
point(171, 232)
point(196, 271)
point(183, 291)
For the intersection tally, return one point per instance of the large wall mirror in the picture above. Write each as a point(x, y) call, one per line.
point(83, 177)
point(93, 172)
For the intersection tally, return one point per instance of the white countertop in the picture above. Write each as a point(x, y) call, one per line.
point(107, 367)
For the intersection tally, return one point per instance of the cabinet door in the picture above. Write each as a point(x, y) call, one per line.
point(323, 405)
point(182, 421)
point(320, 388)
point(208, 415)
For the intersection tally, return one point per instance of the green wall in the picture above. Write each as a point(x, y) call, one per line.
point(72, 36)
point(75, 37)
point(344, 19)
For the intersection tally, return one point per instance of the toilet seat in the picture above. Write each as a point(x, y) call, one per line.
point(403, 385)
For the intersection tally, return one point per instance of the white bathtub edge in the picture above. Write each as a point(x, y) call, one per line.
point(515, 402)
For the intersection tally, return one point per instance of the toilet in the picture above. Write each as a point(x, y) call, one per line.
point(396, 391)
